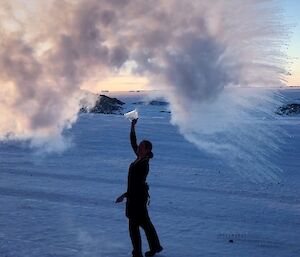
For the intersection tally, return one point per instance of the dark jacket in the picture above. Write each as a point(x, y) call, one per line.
point(137, 188)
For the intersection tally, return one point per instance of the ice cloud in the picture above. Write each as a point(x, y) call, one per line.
point(199, 52)
point(47, 52)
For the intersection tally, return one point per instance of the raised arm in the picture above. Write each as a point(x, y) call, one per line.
point(133, 140)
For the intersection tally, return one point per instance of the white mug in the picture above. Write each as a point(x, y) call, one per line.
point(132, 115)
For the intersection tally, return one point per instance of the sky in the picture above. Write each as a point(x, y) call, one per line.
point(292, 10)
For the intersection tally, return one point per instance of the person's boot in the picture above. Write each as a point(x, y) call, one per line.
point(152, 252)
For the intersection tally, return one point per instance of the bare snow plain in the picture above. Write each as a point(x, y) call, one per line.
point(62, 205)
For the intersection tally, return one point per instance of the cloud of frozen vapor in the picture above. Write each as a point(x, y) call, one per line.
point(199, 52)
point(47, 51)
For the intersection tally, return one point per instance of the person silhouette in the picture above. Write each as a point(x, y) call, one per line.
point(137, 197)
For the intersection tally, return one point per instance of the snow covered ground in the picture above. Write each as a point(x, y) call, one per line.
point(63, 204)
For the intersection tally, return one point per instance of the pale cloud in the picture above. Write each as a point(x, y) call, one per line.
point(192, 49)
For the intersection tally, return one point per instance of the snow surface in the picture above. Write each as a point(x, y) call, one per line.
point(63, 204)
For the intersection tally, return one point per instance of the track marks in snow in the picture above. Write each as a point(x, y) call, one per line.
point(288, 199)
point(55, 197)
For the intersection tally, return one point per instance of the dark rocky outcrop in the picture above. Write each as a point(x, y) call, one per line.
point(289, 109)
point(153, 102)
point(106, 105)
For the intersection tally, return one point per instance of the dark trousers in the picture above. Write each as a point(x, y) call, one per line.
point(134, 231)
